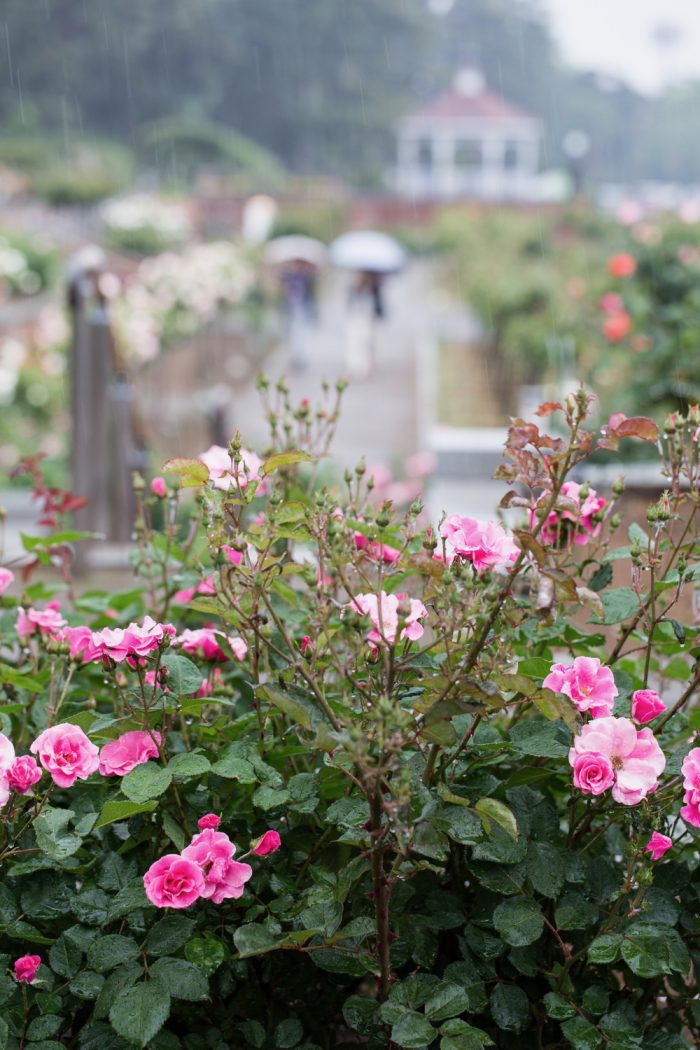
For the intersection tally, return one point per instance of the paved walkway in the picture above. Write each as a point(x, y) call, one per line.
point(382, 413)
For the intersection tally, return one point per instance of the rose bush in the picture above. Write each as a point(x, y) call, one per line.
point(445, 799)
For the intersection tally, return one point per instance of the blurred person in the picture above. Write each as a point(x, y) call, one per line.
point(298, 282)
point(366, 308)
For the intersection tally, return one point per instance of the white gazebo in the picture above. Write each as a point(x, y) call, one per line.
point(468, 142)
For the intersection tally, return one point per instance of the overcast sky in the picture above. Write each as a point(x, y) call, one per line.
point(617, 37)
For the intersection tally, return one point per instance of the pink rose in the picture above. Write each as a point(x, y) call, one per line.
point(306, 644)
point(587, 683)
point(414, 628)
point(224, 475)
point(209, 821)
point(204, 642)
point(376, 550)
point(593, 773)
point(646, 704)
point(235, 557)
point(657, 845)
point(173, 882)
point(120, 756)
point(574, 521)
point(690, 811)
point(26, 967)
point(634, 755)
point(66, 753)
point(383, 614)
point(383, 611)
point(223, 877)
point(484, 543)
point(7, 757)
point(206, 586)
point(22, 774)
point(269, 843)
point(83, 643)
point(158, 487)
point(47, 621)
point(6, 578)
point(132, 642)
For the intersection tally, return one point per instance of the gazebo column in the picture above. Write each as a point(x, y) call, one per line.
point(528, 163)
point(407, 164)
point(493, 172)
point(444, 180)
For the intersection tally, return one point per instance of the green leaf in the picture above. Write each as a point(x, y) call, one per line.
point(556, 706)
point(191, 472)
point(294, 709)
point(651, 951)
point(618, 605)
point(459, 824)
point(546, 868)
point(174, 832)
point(491, 809)
point(266, 797)
point(145, 782)
point(115, 811)
point(234, 764)
point(249, 941)
point(448, 1000)
point(557, 1007)
point(87, 984)
point(519, 921)
point(189, 764)
point(184, 677)
point(288, 1033)
point(182, 979)
point(140, 1012)
point(541, 739)
point(111, 950)
point(52, 835)
point(509, 1007)
point(284, 459)
point(44, 1027)
point(605, 949)
point(581, 1034)
point(55, 539)
point(169, 934)
point(65, 957)
point(601, 577)
point(206, 952)
point(412, 1031)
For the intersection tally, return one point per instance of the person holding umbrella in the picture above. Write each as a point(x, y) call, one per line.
point(373, 255)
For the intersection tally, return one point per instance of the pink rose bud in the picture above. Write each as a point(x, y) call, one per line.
point(657, 845)
point(209, 820)
point(26, 967)
point(269, 843)
point(306, 643)
point(646, 704)
point(6, 578)
point(158, 487)
point(22, 774)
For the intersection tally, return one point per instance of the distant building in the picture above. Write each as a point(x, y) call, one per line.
point(468, 142)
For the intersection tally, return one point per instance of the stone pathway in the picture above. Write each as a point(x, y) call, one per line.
point(381, 416)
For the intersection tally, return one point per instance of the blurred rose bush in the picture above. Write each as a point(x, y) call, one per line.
point(337, 798)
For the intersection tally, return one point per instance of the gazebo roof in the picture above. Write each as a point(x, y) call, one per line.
point(470, 99)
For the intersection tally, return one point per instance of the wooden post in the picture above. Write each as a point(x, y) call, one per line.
point(104, 447)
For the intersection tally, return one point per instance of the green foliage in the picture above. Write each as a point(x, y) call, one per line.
point(441, 882)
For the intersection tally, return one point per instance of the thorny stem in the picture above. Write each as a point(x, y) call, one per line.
point(382, 892)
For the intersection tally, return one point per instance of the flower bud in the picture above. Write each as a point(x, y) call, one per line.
point(269, 843)
point(618, 485)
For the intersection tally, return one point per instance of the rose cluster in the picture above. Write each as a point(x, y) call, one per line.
point(205, 869)
point(67, 755)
